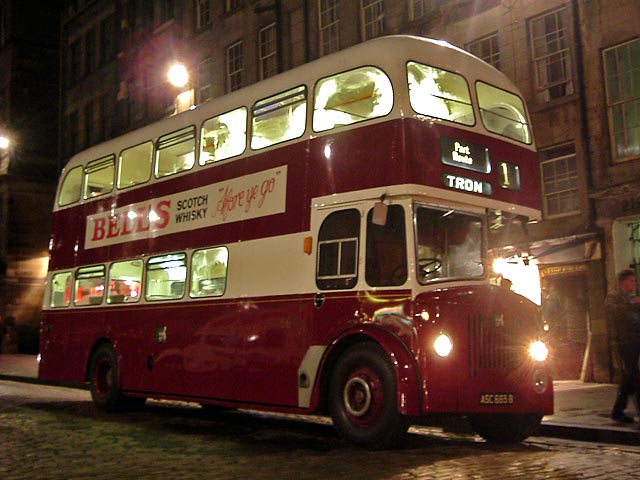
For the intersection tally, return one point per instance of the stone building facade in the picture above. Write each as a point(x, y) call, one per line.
point(29, 160)
point(577, 63)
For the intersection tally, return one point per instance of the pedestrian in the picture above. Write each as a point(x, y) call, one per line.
point(623, 314)
point(3, 333)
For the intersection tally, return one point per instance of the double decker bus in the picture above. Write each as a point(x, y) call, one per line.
point(315, 243)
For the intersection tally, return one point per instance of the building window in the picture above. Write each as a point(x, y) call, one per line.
point(329, 27)
point(551, 55)
point(268, 51)
point(203, 16)
point(230, 5)
point(622, 73)
point(107, 40)
point(2, 27)
point(74, 137)
point(419, 8)
point(372, 18)
point(167, 11)
point(204, 81)
point(486, 48)
point(235, 66)
point(90, 124)
point(90, 54)
point(75, 67)
point(560, 180)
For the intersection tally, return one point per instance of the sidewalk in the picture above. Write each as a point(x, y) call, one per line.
point(581, 409)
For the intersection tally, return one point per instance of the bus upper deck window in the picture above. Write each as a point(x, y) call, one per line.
point(439, 93)
point(135, 165)
point(351, 97)
point(71, 187)
point(98, 177)
point(279, 118)
point(224, 136)
point(176, 152)
point(503, 113)
point(90, 285)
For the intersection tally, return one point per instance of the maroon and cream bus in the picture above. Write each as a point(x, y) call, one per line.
point(315, 243)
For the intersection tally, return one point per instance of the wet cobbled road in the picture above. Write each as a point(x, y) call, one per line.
point(55, 433)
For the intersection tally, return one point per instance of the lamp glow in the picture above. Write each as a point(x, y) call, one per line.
point(538, 351)
point(178, 75)
point(443, 345)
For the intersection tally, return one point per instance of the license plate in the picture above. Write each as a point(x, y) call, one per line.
point(497, 399)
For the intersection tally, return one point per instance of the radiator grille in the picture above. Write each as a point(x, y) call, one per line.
point(493, 344)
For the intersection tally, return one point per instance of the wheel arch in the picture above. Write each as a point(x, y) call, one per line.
point(404, 366)
point(97, 344)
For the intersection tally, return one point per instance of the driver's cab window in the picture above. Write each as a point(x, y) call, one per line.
point(338, 241)
point(386, 249)
point(449, 244)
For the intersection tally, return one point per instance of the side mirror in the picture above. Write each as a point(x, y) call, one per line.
point(380, 211)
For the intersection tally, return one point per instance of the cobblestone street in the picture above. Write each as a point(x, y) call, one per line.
point(55, 433)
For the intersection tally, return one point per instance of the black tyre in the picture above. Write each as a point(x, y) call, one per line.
point(505, 428)
point(363, 398)
point(105, 389)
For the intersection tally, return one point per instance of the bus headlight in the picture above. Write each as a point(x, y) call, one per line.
point(538, 351)
point(443, 345)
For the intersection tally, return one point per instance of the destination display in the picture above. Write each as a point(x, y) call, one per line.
point(467, 155)
point(467, 184)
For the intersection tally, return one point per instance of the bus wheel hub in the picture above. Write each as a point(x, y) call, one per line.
point(357, 396)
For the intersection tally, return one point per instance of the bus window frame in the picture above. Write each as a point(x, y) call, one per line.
point(178, 257)
point(191, 274)
point(521, 111)
point(161, 144)
point(471, 104)
point(269, 104)
point(78, 276)
point(77, 196)
point(119, 166)
point(70, 277)
point(112, 299)
point(339, 281)
point(202, 138)
point(318, 84)
point(106, 162)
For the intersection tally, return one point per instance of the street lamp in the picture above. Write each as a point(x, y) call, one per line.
point(178, 76)
point(4, 142)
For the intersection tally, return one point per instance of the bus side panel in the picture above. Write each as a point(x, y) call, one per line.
point(356, 159)
point(67, 337)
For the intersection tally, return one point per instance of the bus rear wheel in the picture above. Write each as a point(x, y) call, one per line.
point(105, 388)
point(505, 428)
point(362, 398)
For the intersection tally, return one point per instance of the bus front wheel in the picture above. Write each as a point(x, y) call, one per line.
point(505, 428)
point(362, 398)
point(105, 388)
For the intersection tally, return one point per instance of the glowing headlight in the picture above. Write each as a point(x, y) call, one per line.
point(443, 345)
point(538, 351)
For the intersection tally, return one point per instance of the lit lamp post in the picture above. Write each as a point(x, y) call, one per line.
point(178, 76)
point(5, 143)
